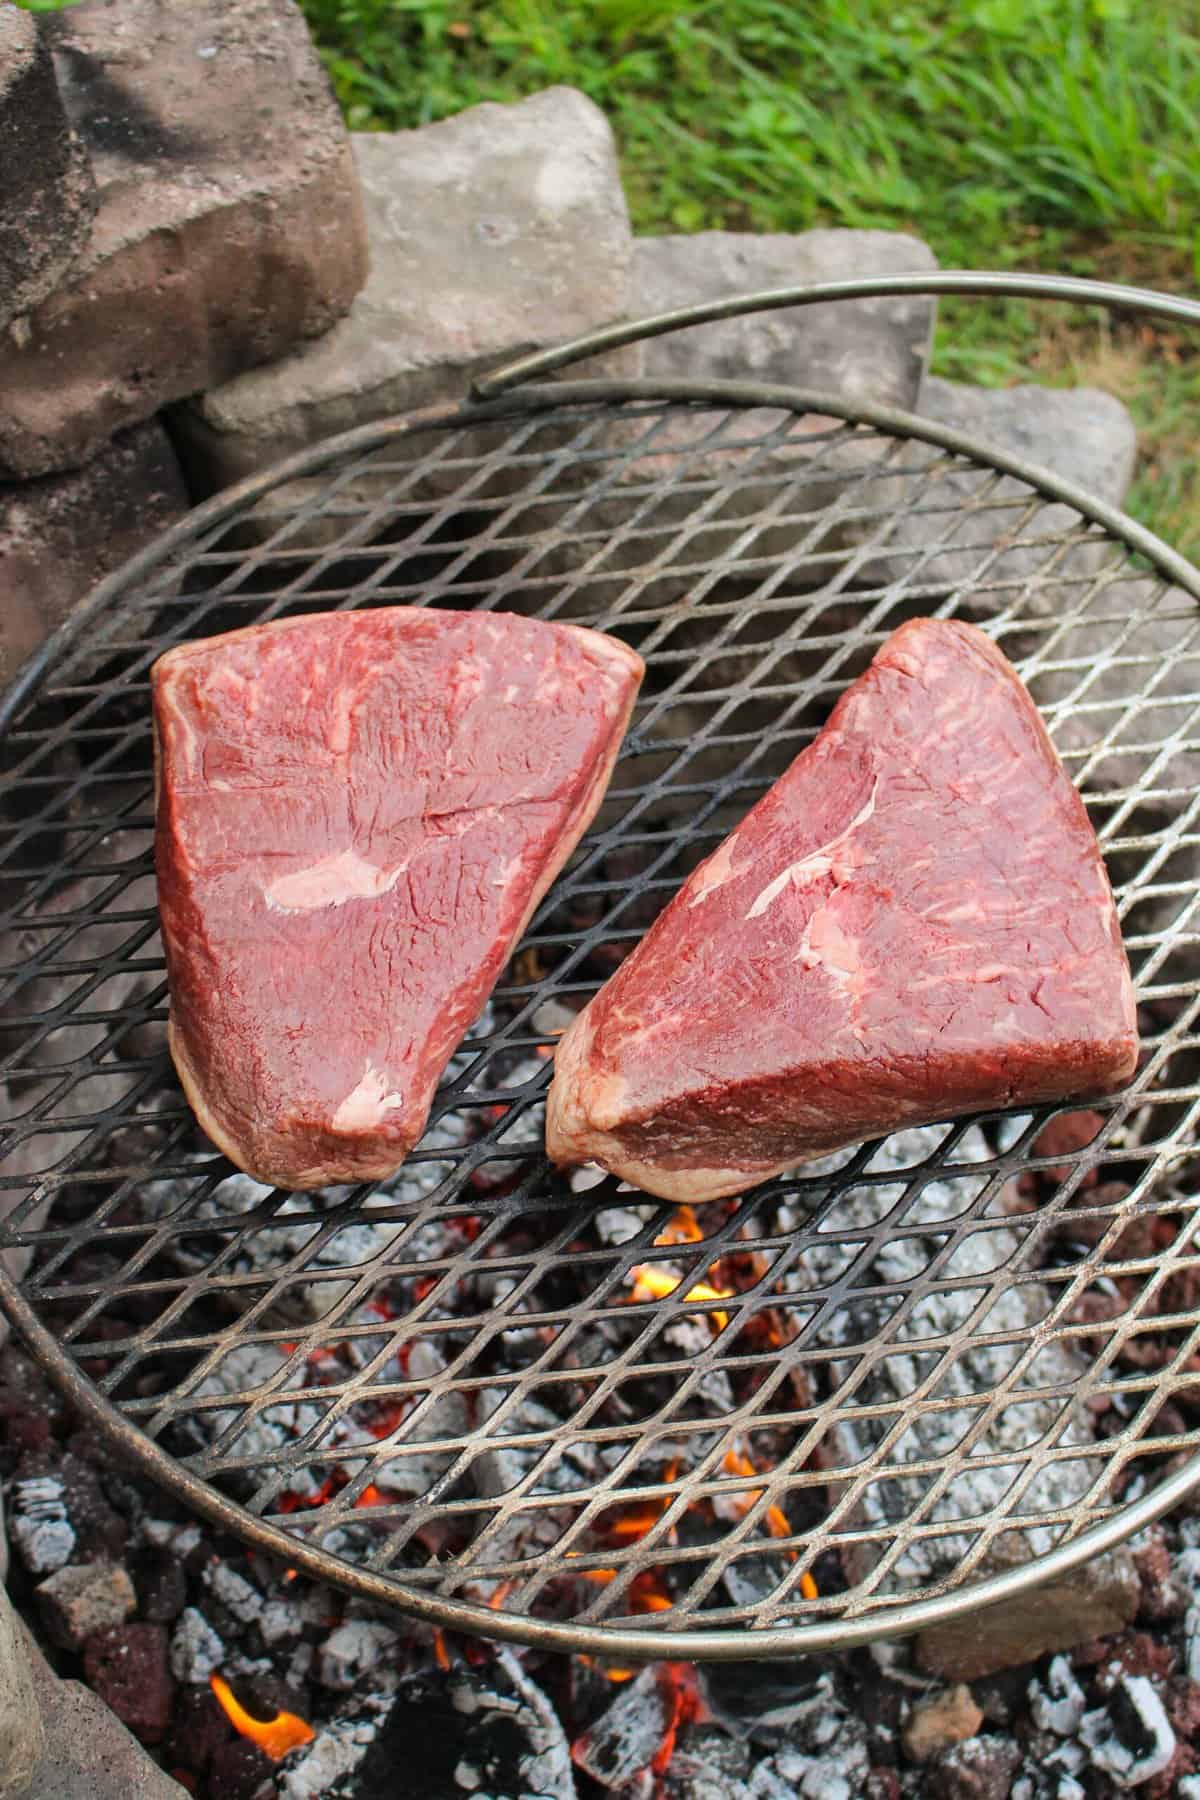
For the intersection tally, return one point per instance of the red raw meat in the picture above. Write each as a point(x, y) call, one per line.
point(915, 922)
point(357, 815)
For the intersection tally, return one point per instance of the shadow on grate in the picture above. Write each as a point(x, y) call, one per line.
point(514, 1401)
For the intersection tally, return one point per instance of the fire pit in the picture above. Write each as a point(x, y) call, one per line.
point(918, 1377)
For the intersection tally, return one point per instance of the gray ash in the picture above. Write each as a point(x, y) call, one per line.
point(1096, 1723)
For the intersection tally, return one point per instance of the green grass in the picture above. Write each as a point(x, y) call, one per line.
point(992, 122)
point(1043, 134)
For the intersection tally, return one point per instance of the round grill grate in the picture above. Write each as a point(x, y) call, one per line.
point(907, 1381)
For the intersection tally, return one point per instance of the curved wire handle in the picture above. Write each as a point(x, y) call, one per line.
point(733, 306)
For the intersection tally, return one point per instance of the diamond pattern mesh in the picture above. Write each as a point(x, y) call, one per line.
point(918, 1362)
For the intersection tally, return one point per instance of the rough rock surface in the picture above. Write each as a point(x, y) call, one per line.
point(940, 1720)
point(1132, 642)
point(22, 1737)
point(498, 231)
point(1078, 434)
point(89, 1755)
point(59, 536)
point(229, 225)
point(85, 1597)
point(747, 482)
point(1091, 1601)
point(48, 194)
point(980, 1768)
point(871, 351)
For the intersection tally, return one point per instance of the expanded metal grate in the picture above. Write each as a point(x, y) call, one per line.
point(912, 1377)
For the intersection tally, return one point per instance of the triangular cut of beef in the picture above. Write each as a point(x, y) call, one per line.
point(357, 814)
point(914, 923)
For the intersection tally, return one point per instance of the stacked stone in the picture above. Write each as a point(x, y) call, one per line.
point(179, 203)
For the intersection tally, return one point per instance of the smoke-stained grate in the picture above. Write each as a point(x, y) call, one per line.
point(570, 1414)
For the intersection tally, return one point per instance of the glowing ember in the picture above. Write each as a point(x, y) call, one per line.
point(291, 1502)
point(440, 1653)
point(274, 1736)
point(680, 1687)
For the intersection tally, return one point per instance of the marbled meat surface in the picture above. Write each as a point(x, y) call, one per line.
point(914, 923)
point(357, 814)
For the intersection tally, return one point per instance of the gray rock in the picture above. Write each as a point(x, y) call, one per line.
point(22, 1736)
point(1091, 1601)
point(867, 351)
point(651, 515)
point(229, 225)
point(931, 525)
point(83, 1598)
point(981, 1768)
point(1117, 681)
point(498, 231)
point(61, 535)
point(950, 528)
point(89, 1755)
point(48, 195)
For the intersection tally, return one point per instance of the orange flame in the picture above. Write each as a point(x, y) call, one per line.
point(645, 1592)
point(609, 1673)
point(736, 1462)
point(441, 1655)
point(635, 1521)
point(274, 1736)
point(657, 1284)
point(684, 1228)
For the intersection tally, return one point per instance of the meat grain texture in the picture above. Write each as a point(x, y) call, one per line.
point(357, 814)
point(914, 923)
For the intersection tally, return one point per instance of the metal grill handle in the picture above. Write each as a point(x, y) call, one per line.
point(1067, 288)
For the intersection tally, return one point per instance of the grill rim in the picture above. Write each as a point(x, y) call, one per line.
point(890, 1619)
point(545, 397)
point(890, 1616)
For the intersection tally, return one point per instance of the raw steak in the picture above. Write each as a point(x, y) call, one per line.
point(357, 814)
point(914, 922)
